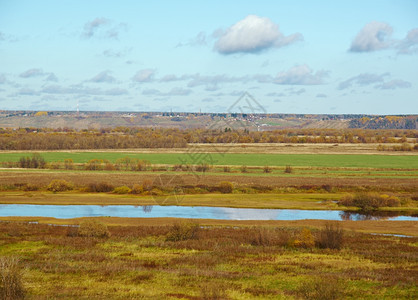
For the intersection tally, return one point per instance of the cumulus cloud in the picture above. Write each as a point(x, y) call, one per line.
point(362, 79)
point(374, 36)
point(409, 44)
point(103, 77)
point(90, 28)
point(176, 91)
point(102, 27)
point(253, 34)
point(32, 73)
point(300, 75)
point(394, 84)
point(198, 40)
point(145, 75)
point(51, 77)
point(179, 92)
point(81, 90)
point(151, 92)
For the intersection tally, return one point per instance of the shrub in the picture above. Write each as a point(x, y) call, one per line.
point(226, 187)
point(101, 187)
point(183, 231)
point(93, 228)
point(288, 169)
point(122, 190)
point(36, 162)
point(59, 185)
point(267, 169)
point(30, 187)
point(147, 185)
point(369, 201)
point(10, 279)
point(227, 169)
point(69, 164)
point(137, 189)
point(202, 168)
point(305, 239)
point(331, 237)
point(244, 169)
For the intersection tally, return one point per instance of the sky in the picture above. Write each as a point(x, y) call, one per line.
point(307, 57)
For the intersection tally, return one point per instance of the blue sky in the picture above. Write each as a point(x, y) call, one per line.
point(291, 56)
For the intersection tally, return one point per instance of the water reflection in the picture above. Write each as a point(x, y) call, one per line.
point(373, 215)
point(189, 212)
point(146, 208)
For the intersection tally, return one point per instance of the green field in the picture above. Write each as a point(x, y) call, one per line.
point(238, 159)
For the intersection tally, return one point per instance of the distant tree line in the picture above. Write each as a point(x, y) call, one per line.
point(127, 137)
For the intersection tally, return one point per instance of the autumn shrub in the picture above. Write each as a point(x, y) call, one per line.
point(11, 286)
point(93, 228)
point(101, 187)
point(122, 190)
point(147, 185)
point(331, 236)
point(202, 168)
point(227, 169)
point(182, 231)
point(226, 187)
point(137, 189)
point(59, 185)
point(369, 201)
point(304, 239)
point(267, 169)
point(288, 170)
point(244, 169)
point(30, 187)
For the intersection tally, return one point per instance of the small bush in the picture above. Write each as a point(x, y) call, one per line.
point(10, 279)
point(226, 187)
point(93, 228)
point(244, 169)
point(331, 237)
point(147, 185)
point(183, 231)
point(101, 187)
point(305, 239)
point(227, 169)
point(288, 170)
point(59, 185)
point(267, 169)
point(30, 187)
point(122, 190)
point(137, 189)
point(369, 201)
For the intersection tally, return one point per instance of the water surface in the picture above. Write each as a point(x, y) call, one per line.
point(189, 212)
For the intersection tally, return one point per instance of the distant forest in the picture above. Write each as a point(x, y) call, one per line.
point(137, 137)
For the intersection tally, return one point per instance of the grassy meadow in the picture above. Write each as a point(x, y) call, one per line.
point(235, 159)
point(187, 261)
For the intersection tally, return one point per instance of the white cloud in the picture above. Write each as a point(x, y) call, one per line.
point(394, 84)
point(300, 75)
point(362, 79)
point(251, 35)
point(32, 73)
point(409, 44)
point(145, 75)
point(90, 28)
point(103, 77)
point(374, 36)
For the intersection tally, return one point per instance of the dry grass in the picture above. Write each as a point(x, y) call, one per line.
point(219, 263)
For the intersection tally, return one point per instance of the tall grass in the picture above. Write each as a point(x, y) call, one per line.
point(11, 286)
